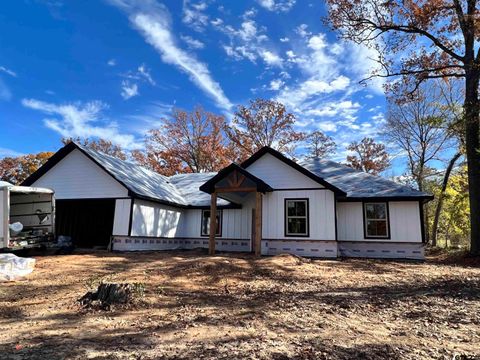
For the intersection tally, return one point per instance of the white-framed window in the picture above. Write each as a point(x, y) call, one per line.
point(376, 220)
point(205, 231)
point(296, 217)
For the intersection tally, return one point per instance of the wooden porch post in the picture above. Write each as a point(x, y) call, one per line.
point(258, 223)
point(213, 224)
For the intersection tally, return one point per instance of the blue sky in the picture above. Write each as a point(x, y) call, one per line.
point(113, 68)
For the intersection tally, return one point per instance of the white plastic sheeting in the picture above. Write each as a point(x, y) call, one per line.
point(13, 267)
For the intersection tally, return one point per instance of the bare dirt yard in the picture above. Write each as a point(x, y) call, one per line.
point(237, 307)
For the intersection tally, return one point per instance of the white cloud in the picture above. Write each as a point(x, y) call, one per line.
point(276, 84)
point(192, 43)
point(81, 120)
point(378, 118)
point(271, 58)
point(153, 22)
point(302, 30)
point(297, 96)
point(216, 22)
point(140, 74)
point(129, 90)
point(343, 109)
point(327, 126)
point(144, 72)
point(284, 39)
point(8, 71)
point(112, 62)
point(247, 42)
point(194, 16)
point(277, 5)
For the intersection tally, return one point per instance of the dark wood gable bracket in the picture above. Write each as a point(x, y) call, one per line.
point(234, 178)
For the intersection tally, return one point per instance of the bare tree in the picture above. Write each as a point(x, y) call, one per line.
point(320, 145)
point(420, 40)
point(419, 126)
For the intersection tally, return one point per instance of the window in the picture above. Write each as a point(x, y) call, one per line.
point(206, 223)
point(376, 220)
point(296, 217)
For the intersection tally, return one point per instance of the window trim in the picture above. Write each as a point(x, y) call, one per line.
point(220, 223)
point(387, 208)
point(285, 217)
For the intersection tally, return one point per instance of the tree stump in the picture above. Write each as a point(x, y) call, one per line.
point(108, 294)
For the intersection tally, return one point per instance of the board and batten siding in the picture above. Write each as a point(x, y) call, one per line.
point(236, 223)
point(279, 175)
point(151, 219)
point(78, 177)
point(121, 220)
point(321, 214)
point(405, 225)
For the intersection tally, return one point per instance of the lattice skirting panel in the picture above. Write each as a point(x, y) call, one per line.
point(383, 250)
point(127, 243)
point(308, 248)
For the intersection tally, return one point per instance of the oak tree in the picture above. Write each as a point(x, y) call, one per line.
point(101, 145)
point(421, 40)
point(187, 142)
point(16, 169)
point(368, 156)
point(263, 123)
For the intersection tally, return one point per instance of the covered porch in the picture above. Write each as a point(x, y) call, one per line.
point(236, 185)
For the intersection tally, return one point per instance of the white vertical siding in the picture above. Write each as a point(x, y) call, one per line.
point(279, 175)
point(405, 225)
point(77, 177)
point(122, 217)
point(321, 210)
point(157, 220)
point(405, 222)
point(236, 223)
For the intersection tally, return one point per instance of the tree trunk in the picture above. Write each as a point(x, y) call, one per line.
point(472, 144)
point(438, 210)
point(426, 222)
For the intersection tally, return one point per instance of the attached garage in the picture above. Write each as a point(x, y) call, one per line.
point(89, 222)
point(95, 193)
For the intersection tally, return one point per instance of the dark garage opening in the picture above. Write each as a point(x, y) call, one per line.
point(88, 222)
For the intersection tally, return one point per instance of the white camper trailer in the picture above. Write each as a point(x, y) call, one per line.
point(27, 217)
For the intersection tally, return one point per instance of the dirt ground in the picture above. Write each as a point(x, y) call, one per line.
point(235, 307)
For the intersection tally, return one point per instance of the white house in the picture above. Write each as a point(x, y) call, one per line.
point(268, 204)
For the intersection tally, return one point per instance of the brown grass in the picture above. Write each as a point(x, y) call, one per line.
point(234, 307)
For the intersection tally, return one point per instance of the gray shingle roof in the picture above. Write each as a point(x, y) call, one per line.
point(184, 189)
point(189, 186)
point(358, 184)
point(139, 180)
